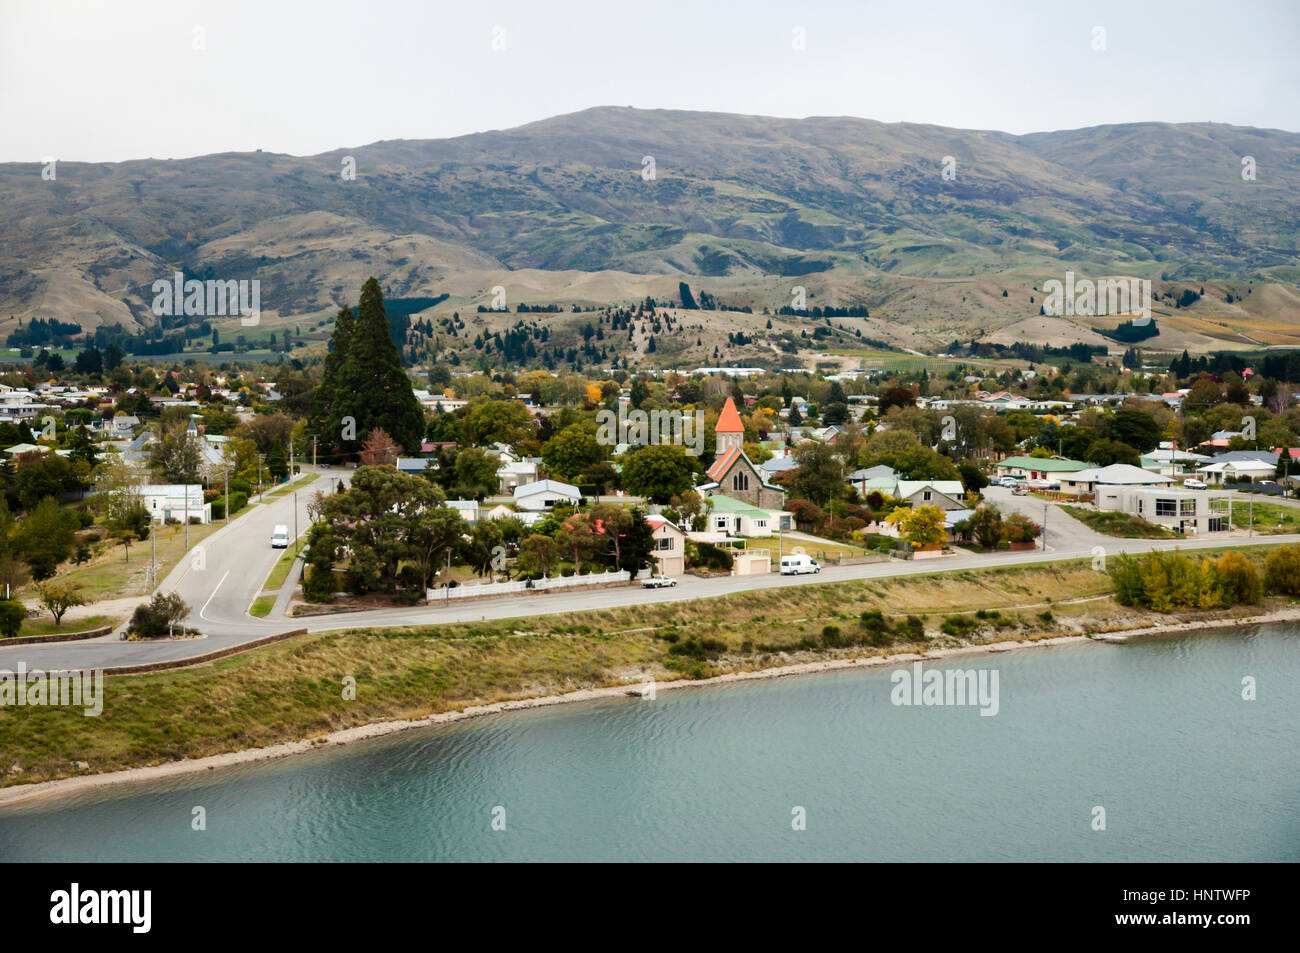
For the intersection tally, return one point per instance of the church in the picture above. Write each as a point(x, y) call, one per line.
point(733, 474)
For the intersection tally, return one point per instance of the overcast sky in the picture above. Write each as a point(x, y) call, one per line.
point(173, 78)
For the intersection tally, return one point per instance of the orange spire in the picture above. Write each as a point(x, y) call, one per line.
point(729, 420)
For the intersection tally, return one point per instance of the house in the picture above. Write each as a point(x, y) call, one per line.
point(733, 517)
point(516, 473)
point(945, 494)
point(176, 501)
point(780, 462)
point(1037, 468)
point(123, 425)
point(669, 552)
point(733, 473)
point(1170, 462)
point(880, 479)
point(1191, 512)
point(468, 510)
point(414, 464)
point(499, 512)
point(1239, 465)
point(544, 494)
point(1086, 482)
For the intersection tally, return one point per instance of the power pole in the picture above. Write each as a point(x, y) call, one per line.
point(226, 509)
point(447, 599)
point(186, 490)
point(295, 522)
point(259, 478)
point(153, 574)
point(313, 450)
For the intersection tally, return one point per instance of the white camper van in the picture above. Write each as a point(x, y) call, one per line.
point(280, 537)
point(798, 564)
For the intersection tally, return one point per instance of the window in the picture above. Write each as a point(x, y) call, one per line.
point(1218, 524)
point(1166, 507)
point(925, 495)
point(740, 481)
point(664, 543)
point(1186, 507)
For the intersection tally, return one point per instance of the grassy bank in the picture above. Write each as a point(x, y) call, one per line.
point(1115, 523)
point(293, 690)
point(45, 625)
point(120, 572)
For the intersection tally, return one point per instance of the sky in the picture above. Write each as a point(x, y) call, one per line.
point(111, 81)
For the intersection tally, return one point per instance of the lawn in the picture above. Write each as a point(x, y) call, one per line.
point(44, 625)
point(820, 547)
point(1114, 523)
point(262, 606)
point(1268, 517)
point(116, 572)
point(280, 571)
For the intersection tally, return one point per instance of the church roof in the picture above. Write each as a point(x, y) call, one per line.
point(723, 463)
point(729, 420)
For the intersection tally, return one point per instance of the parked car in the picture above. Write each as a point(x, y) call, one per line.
point(1041, 484)
point(1009, 481)
point(1020, 490)
point(1195, 484)
point(798, 564)
point(280, 537)
point(658, 582)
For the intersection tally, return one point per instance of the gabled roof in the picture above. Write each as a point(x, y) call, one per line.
point(952, 488)
point(729, 419)
point(547, 486)
point(1044, 464)
point(723, 463)
point(1117, 474)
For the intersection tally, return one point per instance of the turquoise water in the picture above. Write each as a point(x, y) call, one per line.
point(1156, 733)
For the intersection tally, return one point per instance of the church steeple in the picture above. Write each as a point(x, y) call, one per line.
point(730, 431)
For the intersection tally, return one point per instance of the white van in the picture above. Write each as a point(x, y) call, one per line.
point(798, 564)
point(280, 537)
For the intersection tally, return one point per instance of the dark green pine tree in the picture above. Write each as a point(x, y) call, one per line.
point(323, 414)
point(373, 389)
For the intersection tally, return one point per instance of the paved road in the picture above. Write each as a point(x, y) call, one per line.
point(238, 559)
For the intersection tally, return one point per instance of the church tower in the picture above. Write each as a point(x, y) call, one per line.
point(730, 431)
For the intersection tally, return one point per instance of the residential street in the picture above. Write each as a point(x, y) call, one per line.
point(221, 585)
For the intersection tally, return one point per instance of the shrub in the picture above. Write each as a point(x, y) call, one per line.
point(239, 485)
point(1239, 579)
point(1282, 570)
point(158, 618)
point(318, 582)
point(12, 614)
point(911, 629)
point(1046, 617)
point(219, 508)
point(958, 625)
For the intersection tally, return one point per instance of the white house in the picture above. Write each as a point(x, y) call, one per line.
point(544, 494)
point(175, 501)
point(516, 473)
point(1191, 512)
point(945, 494)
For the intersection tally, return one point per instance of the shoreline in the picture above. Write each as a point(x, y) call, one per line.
point(25, 794)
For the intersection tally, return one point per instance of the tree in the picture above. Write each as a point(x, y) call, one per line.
point(1239, 579)
point(818, 474)
point(372, 388)
point(45, 538)
point(985, 526)
point(476, 473)
point(571, 451)
point(431, 534)
point(538, 554)
point(921, 526)
point(896, 396)
point(325, 409)
point(480, 551)
point(578, 537)
point(175, 455)
point(60, 596)
point(658, 472)
point(276, 464)
point(1282, 570)
point(158, 617)
point(497, 421)
point(379, 450)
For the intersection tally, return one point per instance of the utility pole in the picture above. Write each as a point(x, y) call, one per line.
point(153, 572)
point(1046, 506)
point(447, 582)
point(186, 490)
point(259, 478)
point(295, 522)
point(226, 509)
point(313, 450)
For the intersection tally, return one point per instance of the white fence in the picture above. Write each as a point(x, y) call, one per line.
point(537, 585)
